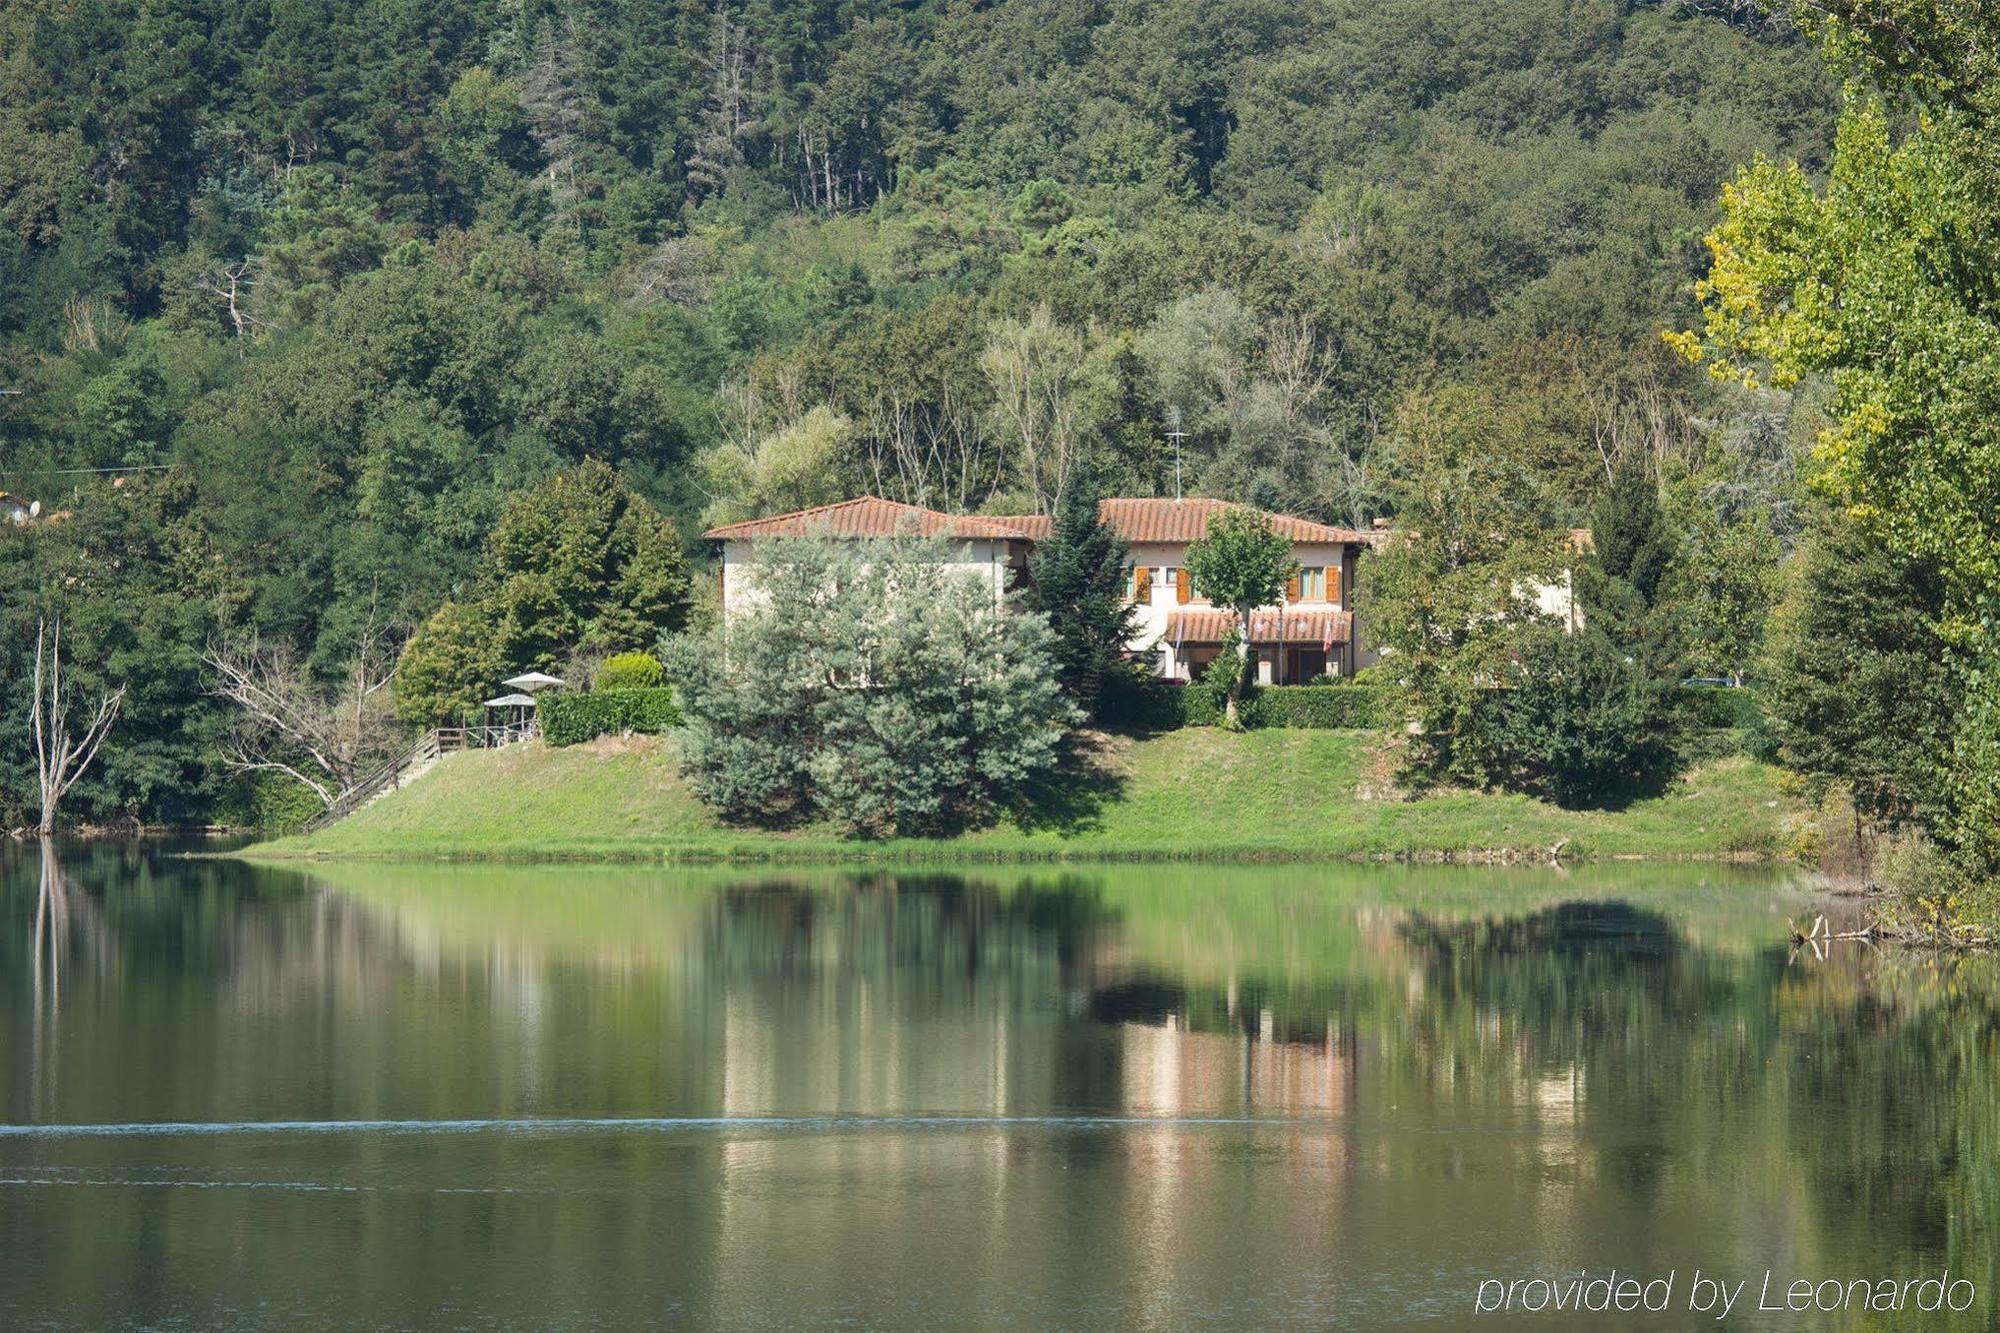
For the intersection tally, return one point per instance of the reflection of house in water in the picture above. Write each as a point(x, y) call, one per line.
point(1170, 1070)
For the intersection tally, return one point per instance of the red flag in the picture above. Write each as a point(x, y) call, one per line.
point(1326, 640)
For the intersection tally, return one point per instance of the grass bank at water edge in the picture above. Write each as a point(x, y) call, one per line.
point(1198, 793)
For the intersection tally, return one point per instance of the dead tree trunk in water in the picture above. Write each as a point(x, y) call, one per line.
point(60, 758)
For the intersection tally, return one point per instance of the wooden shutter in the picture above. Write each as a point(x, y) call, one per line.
point(1142, 583)
point(1181, 585)
point(1333, 584)
point(1292, 589)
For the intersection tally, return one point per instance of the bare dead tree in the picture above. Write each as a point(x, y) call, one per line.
point(61, 756)
point(936, 452)
point(322, 737)
point(230, 283)
point(553, 96)
point(716, 153)
point(681, 269)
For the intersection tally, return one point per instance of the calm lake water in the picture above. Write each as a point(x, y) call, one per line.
point(1128, 1097)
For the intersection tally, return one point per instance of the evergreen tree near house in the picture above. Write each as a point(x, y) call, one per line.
point(1629, 529)
point(1577, 720)
point(1079, 585)
point(579, 562)
point(1634, 550)
point(1241, 562)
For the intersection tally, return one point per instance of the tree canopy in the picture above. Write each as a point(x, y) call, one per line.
point(348, 277)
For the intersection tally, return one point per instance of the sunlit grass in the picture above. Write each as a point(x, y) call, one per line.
point(1196, 793)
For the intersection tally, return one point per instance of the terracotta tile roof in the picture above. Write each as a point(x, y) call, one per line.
point(1209, 625)
point(869, 516)
point(1136, 520)
point(1154, 520)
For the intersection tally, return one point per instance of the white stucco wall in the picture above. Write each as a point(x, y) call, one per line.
point(1163, 599)
point(982, 560)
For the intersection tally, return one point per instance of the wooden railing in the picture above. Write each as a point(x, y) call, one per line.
point(428, 749)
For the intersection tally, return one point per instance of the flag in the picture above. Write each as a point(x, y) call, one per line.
point(1326, 640)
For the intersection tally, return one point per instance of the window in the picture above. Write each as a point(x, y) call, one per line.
point(1310, 585)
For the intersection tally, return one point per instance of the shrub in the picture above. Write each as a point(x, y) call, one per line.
point(569, 718)
point(268, 800)
point(630, 671)
point(1719, 707)
point(1308, 707)
point(874, 684)
point(1578, 722)
point(1323, 707)
point(1205, 700)
point(1132, 697)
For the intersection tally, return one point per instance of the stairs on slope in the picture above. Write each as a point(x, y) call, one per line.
point(413, 763)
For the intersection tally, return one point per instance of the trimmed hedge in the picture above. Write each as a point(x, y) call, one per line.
point(570, 718)
point(1309, 707)
point(1322, 707)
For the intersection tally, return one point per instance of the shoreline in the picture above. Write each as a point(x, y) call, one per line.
point(953, 852)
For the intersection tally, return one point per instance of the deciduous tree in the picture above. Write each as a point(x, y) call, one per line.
point(1242, 563)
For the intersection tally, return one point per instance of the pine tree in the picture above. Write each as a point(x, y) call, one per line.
point(1079, 584)
point(1630, 530)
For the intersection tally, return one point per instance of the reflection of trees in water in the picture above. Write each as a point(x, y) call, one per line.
point(1893, 1064)
point(1872, 1082)
point(1864, 1090)
point(942, 924)
point(66, 922)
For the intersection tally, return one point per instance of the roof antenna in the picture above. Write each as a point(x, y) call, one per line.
point(1176, 434)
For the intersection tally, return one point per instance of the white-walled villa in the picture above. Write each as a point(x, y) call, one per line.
point(1311, 634)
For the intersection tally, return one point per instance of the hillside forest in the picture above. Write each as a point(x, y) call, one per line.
point(329, 323)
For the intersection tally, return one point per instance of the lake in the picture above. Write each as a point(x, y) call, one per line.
point(1133, 1096)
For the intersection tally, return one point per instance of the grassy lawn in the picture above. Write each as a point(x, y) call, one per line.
point(1198, 793)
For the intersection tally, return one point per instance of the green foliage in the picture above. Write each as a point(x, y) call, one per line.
point(1629, 530)
point(1242, 563)
point(1313, 707)
point(1862, 691)
point(139, 596)
point(1133, 698)
point(267, 801)
point(1882, 284)
point(579, 562)
point(1322, 707)
point(1079, 587)
point(448, 667)
point(794, 466)
point(572, 717)
point(1449, 595)
point(872, 683)
point(1574, 721)
point(629, 671)
point(1720, 708)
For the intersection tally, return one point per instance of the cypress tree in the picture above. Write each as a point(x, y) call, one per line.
point(1079, 584)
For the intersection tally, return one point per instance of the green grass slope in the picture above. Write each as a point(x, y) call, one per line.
point(1198, 793)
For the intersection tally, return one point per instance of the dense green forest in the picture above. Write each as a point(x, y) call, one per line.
point(312, 314)
point(333, 280)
